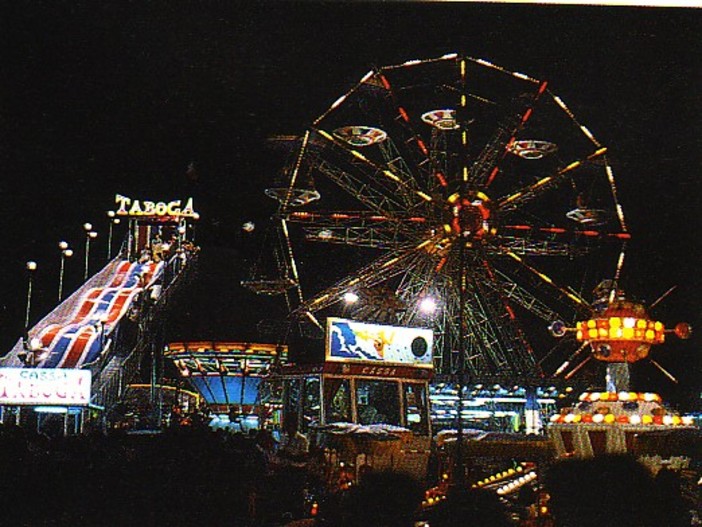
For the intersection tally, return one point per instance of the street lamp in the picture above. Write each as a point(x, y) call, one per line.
point(89, 234)
point(66, 252)
point(31, 267)
point(113, 221)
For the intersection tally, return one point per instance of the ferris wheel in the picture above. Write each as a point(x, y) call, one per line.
point(448, 193)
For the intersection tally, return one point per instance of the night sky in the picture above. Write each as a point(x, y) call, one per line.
point(122, 97)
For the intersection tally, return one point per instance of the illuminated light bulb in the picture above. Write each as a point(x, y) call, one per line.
point(658, 326)
point(592, 333)
point(603, 332)
point(554, 418)
point(587, 418)
point(591, 323)
point(629, 322)
point(597, 418)
point(628, 333)
point(609, 418)
point(579, 335)
point(623, 396)
point(647, 419)
point(577, 418)
point(427, 305)
point(583, 396)
point(615, 322)
point(648, 397)
point(350, 297)
point(687, 420)
point(569, 418)
point(641, 323)
point(668, 420)
point(635, 419)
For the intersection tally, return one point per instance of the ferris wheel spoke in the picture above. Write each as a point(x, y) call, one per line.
point(513, 292)
point(394, 183)
point(494, 331)
point(380, 270)
point(358, 228)
point(565, 292)
point(531, 192)
point(424, 160)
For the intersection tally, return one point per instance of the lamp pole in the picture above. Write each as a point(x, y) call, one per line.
point(66, 252)
point(113, 221)
point(89, 234)
point(31, 267)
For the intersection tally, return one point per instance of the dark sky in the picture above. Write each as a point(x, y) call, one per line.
point(120, 97)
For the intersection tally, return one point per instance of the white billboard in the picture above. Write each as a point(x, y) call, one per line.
point(349, 340)
point(45, 386)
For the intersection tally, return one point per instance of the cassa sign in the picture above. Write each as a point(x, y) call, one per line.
point(64, 387)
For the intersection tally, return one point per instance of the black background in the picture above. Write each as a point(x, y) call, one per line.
point(121, 97)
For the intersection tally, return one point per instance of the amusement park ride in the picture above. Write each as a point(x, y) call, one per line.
point(433, 224)
point(456, 195)
point(448, 193)
point(80, 358)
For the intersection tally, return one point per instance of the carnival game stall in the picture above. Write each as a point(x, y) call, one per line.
point(366, 406)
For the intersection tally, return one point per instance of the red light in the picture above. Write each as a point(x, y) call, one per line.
point(492, 175)
point(385, 82)
point(622, 235)
point(542, 88)
point(421, 145)
point(527, 115)
point(442, 179)
point(589, 233)
point(403, 113)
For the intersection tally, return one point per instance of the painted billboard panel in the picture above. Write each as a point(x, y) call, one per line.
point(45, 386)
point(350, 340)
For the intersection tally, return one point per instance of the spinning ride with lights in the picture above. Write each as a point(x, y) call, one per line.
point(449, 193)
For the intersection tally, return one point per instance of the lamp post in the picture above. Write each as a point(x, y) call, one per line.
point(89, 235)
point(31, 267)
point(113, 221)
point(66, 252)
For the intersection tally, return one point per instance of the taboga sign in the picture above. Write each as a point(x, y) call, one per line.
point(39, 386)
point(174, 209)
point(352, 341)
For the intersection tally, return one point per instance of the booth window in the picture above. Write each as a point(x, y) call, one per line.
point(378, 402)
point(311, 406)
point(337, 394)
point(416, 415)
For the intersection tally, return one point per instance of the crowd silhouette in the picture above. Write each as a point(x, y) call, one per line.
point(193, 476)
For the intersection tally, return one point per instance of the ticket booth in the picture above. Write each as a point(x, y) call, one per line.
point(367, 405)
